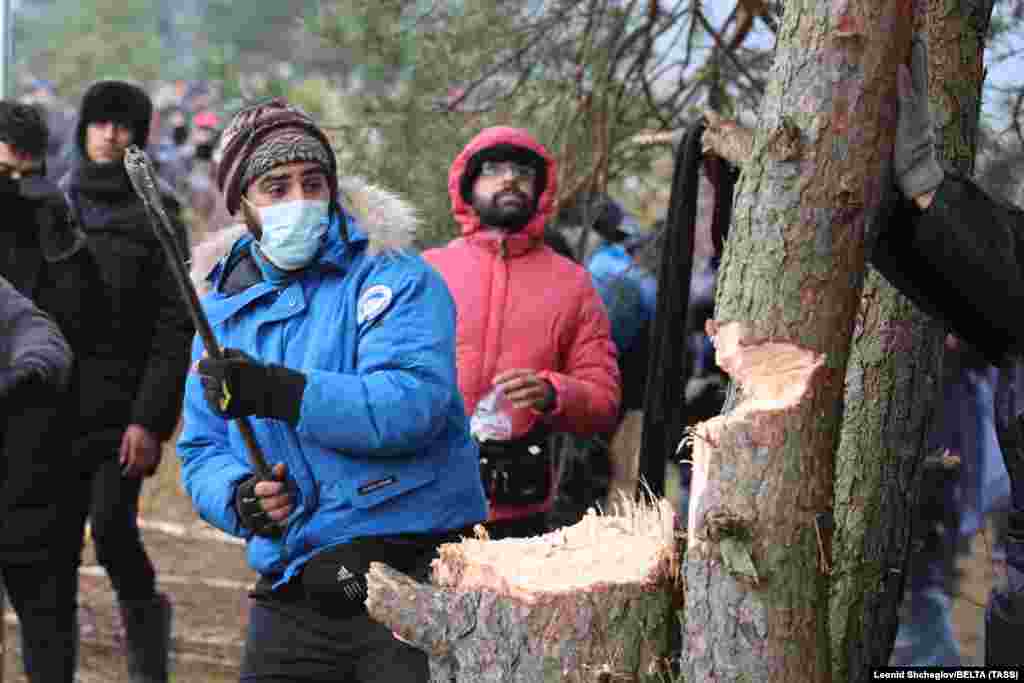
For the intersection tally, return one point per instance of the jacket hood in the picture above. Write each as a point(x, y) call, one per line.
point(389, 222)
point(466, 215)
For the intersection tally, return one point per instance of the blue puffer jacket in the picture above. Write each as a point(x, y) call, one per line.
point(382, 444)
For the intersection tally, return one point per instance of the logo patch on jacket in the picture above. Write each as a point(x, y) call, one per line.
point(373, 303)
point(371, 486)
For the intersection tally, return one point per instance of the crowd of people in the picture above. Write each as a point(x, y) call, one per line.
point(400, 399)
point(186, 118)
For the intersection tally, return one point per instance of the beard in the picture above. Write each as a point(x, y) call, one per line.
point(508, 216)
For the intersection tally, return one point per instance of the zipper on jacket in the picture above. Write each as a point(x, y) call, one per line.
point(503, 264)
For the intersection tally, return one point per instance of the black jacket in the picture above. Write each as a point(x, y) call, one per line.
point(38, 511)
point(961, 260)
point(135, 354)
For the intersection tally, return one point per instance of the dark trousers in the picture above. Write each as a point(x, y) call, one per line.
point(290, 641)
point(312, 630)
point(113, 509)
point(43, 595)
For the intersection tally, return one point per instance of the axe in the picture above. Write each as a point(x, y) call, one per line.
point(140, 172)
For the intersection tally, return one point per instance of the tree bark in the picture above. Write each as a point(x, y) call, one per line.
point(891, 382)
point(759, 539)
point(587, 603)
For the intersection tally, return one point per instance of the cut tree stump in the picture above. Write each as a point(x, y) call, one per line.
point(595, 601)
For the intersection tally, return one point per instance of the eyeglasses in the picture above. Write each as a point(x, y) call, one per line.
point(497, 169)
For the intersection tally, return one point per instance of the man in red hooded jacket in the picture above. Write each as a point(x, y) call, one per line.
point(533, 340)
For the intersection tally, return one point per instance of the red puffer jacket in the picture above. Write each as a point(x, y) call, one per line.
point(521, 305)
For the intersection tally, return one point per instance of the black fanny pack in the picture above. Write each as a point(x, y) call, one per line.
point(517, 471)
point(335, 580)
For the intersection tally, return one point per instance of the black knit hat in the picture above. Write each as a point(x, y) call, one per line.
point(503, 152)
point(119, 102)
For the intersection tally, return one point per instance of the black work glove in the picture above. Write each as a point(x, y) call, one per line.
point(239, 385)
point(251, 512)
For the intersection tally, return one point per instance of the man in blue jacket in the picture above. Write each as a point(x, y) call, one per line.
point(340, 348)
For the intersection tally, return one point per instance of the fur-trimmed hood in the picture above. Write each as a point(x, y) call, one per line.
point(389, 222)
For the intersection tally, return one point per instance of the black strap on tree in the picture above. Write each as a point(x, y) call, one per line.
point(670, 364)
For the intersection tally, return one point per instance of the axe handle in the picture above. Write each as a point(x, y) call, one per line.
point(166, 235)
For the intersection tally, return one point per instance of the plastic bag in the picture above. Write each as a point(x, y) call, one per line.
point(492, 420)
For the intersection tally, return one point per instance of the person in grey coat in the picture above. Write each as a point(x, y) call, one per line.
point(36, 514)
point(33, 352)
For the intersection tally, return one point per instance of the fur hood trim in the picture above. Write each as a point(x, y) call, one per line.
point(389, 222)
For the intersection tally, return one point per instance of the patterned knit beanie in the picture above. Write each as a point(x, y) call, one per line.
point(268, 134)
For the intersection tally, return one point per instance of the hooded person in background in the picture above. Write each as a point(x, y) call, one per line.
point(38, 552)
point(341, 344)
point(131, 373)
point(534, 343)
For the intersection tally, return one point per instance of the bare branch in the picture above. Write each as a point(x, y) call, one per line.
point(730, 53)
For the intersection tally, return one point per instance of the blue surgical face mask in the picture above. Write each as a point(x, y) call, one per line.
point(293, 232)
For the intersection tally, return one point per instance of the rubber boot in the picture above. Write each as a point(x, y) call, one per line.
point(147, 626)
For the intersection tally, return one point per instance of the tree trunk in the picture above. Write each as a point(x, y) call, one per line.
point(759, 542)
point(891, 382)
point(591, 602)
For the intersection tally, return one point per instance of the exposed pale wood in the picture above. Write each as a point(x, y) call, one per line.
point(591, 600)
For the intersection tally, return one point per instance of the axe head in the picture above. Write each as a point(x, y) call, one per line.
point(140, 172)
point(143, 180)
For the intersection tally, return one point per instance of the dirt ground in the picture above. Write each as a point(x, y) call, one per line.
point(206, 577)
